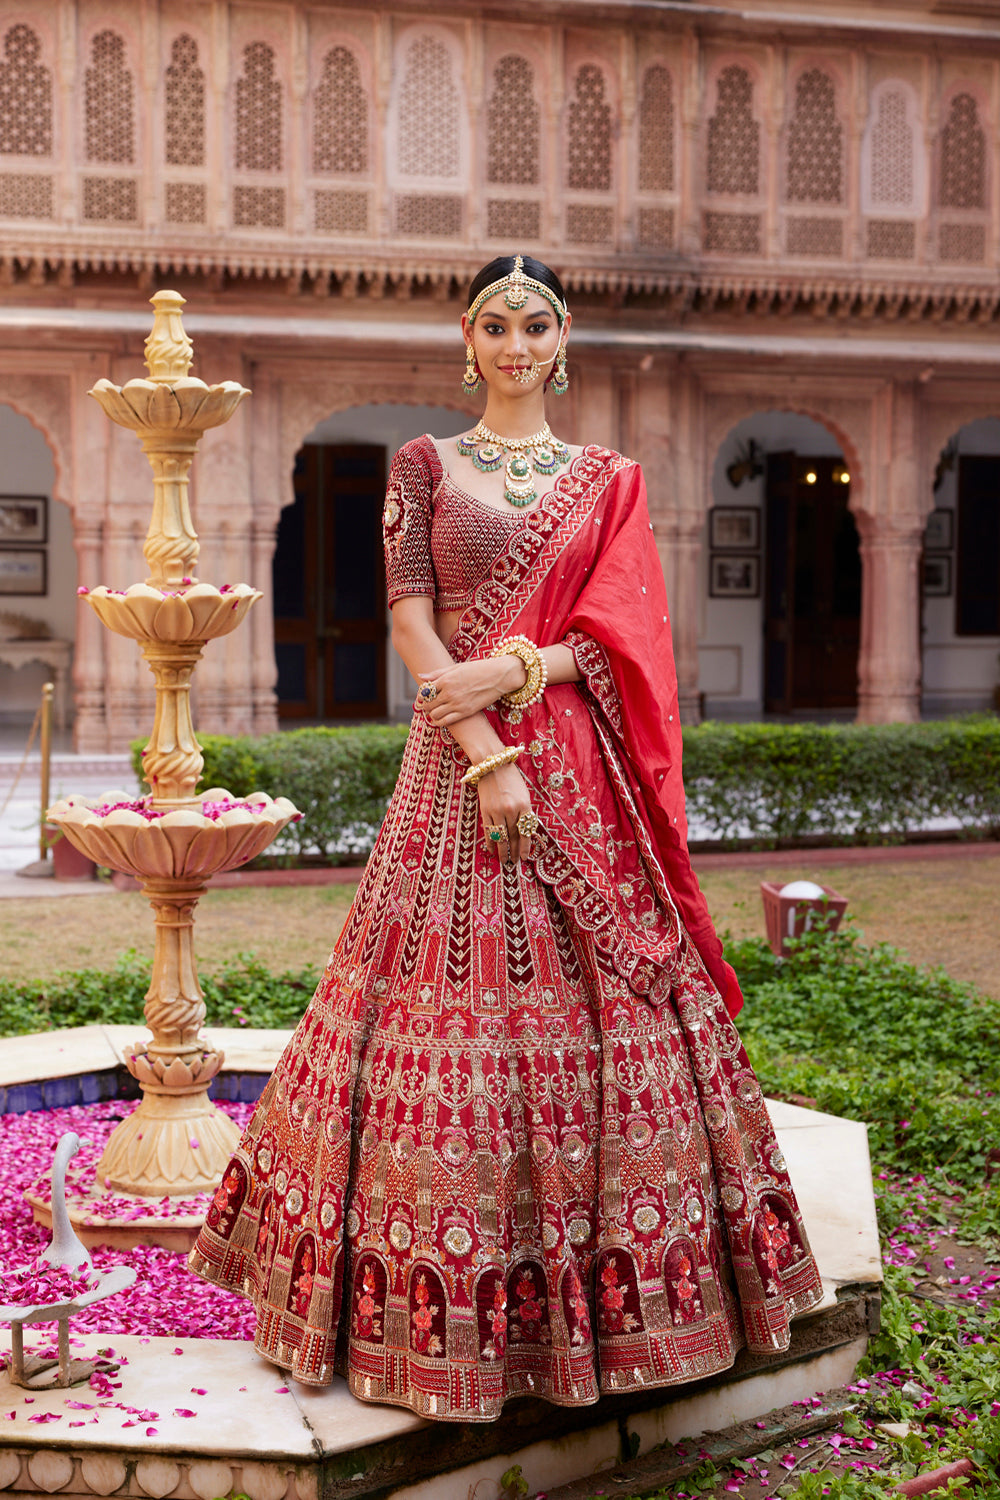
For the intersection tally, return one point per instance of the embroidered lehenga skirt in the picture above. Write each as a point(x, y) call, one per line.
point(488, 1163)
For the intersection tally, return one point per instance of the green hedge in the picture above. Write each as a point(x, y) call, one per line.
point(769, 784)
point(758, 784)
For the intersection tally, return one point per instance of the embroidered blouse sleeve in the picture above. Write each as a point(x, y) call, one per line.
point(406, 521)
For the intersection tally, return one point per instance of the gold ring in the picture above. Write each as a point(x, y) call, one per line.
point(497, 834)
point(428, 692)
point(527, 824)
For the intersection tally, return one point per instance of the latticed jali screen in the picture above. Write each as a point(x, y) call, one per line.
point(538, 157)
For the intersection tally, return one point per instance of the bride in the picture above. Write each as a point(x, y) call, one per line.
point(515, 1145)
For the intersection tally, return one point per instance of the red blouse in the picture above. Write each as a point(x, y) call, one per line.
point(439, 540)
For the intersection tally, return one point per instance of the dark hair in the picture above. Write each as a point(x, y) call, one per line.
point(503, 265)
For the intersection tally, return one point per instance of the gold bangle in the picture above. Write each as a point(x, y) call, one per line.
point(534, 665)
point(505, 757)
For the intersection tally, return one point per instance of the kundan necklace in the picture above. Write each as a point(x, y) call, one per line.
point(540, 452)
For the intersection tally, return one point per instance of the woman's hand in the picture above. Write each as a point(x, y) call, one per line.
point(467, 687)
point(503, 798)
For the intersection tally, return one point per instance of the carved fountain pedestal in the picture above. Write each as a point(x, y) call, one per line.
point(175, 1145)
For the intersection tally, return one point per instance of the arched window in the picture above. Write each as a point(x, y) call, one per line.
point(109, 102)
point(514, 122)
point(340, 120)
point(25, 96)
point(963, 156)
point(429, 114)
point(734, 137)
point(815, 142)
point(656, 131)
point(892, 156)
point(185, 105)
point(258, 112)
point(589, 165)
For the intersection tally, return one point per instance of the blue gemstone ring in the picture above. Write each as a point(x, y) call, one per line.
point(428, 692)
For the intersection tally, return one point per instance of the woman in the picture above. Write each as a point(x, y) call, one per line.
point(515, 1145)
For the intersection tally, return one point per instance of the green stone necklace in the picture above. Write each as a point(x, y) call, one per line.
point(524, 457)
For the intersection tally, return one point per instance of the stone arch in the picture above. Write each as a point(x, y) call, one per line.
point(730, 415)
point(49, 417)
point(939, 424)
point(305, 408)
point(758, 648)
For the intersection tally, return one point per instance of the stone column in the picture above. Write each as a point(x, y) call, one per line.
point(90, 735)
point(667, 411)
point(891, 527)
point(264, 537)
point(889, 659)
point(270, 487)
point(678, 541)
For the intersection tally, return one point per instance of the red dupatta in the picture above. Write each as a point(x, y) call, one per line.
point(584, 569)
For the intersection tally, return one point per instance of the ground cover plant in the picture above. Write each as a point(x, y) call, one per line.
point(861, 1033)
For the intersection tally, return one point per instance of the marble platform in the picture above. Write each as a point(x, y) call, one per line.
point(255, 1433)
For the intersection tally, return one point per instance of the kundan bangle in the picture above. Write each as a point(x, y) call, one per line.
point(534, 665)
point(506, 757)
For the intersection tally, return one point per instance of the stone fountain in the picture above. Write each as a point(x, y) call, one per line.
point(176, 1142)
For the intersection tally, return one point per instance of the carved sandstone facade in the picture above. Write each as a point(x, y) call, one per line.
point(792, 213)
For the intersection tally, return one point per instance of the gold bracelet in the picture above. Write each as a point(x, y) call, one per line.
point(505, 757)
point(534, 665)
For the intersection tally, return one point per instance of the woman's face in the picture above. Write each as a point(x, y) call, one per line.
point(506, 341)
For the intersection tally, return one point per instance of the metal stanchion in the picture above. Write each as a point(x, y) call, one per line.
point(46, 756)
point(42, 865)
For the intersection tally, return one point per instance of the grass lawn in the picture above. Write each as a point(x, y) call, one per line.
point(937, 911)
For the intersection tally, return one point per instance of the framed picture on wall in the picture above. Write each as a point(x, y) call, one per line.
point(22, 570)
point(23, 519)
point(733, 577)
point(937, 574)
point(939, 533)
point(735, 528)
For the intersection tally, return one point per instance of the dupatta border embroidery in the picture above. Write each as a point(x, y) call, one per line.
point(499, 599)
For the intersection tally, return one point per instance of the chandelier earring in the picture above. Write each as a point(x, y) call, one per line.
point(471, 380)
point(560, 378)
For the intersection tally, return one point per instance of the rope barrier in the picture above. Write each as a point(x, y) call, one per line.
point(24, 759)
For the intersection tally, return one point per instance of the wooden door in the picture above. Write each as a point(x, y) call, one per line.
point(812, 594)
point(329, 588)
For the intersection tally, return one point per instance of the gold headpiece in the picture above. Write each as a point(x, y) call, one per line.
point(515, 287)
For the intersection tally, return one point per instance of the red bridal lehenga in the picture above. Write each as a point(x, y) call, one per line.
point(515, 1145)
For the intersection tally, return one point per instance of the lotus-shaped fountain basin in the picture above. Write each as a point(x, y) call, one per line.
point(186, 843)
point(185, 405)
point(195, 612)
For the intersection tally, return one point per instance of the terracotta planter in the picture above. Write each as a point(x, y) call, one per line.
point(68, 863)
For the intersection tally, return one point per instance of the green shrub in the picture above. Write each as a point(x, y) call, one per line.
point(773, 784)
point(909, 1051)
point(243, 990)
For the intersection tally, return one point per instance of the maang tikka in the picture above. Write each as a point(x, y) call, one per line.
point(471, 380)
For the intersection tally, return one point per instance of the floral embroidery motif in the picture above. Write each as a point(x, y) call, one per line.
point(422, 1337)
point(611, 1300)
point(497, 1344)
point(302, 1284)
point(577, 1311)
point(367, 1320)
point(527, 1318)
